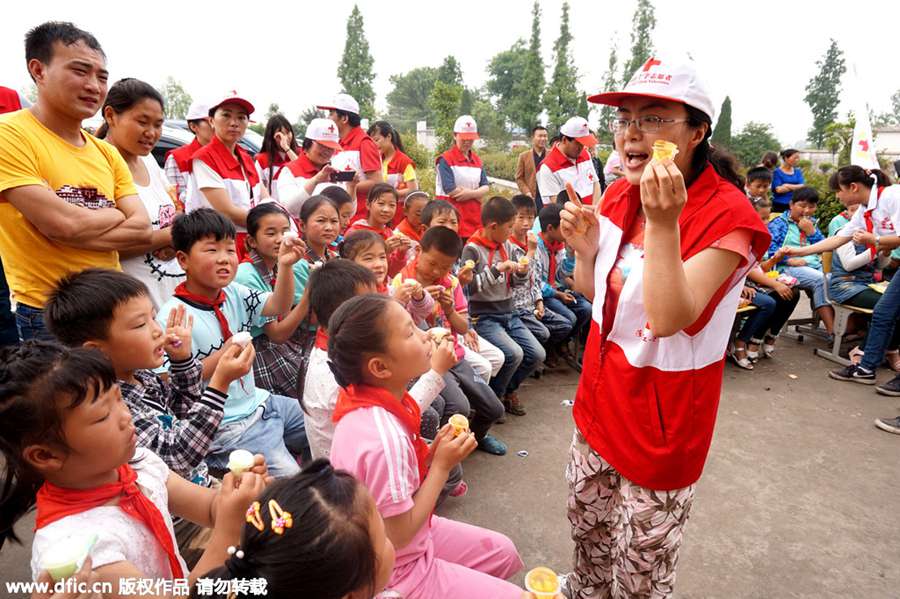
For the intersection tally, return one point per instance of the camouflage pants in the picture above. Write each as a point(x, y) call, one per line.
point(626, 537)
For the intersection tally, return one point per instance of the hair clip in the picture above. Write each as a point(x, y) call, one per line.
point(232, 550)
point(254, 517)
point(280, 518)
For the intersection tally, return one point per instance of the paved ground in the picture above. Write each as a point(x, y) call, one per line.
point(800, 496)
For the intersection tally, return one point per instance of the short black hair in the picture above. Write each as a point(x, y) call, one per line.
point(358, 241)
point(562, 197)
point(523, 202)
point(338, 195)
point(353, 119)
point(39, 41)
point(190, 228)
point(537, 128)
point(379, 189)
point(806, 194)
point(436, 207)
point(81, 307)
point(549, 216)
point(788, 153)
point(442, 239)
point(759, 173)
point(555, 139)
point(497, 210)
point(334, 283)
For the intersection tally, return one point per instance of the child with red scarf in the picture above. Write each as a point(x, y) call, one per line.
point(381, 206)
point(491, 300)
point(411, 226)
point(70, 450)
point(377, 439)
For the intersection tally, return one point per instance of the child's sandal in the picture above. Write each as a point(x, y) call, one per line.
point(742, 362)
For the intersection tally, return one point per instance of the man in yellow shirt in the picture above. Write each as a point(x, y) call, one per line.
point(67, 200)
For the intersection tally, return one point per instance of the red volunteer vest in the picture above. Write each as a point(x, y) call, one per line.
point(647, 405)
point(184, 155)
point(469, 210)
point(581, 174)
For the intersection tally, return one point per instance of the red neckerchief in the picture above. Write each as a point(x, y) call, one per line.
point(553, 248)
point(409, 272)
point(491, 246)
point(363, 225)
point(202, 302)
point(322, 339)
point(407, 229)
point(516, 242)
point(406, 411)
point(55, 503)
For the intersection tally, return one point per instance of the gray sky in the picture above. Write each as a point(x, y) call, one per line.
point(762, 53)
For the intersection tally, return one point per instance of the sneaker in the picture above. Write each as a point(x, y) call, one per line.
point(853, 373)
point(892, 387)
point(492, 445)
point(891, 425)
point(513, 405)
point(460, 490)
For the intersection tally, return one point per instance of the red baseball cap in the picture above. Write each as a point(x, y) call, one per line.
point(232, 97)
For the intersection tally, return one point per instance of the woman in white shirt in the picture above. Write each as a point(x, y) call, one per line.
point(133, 117)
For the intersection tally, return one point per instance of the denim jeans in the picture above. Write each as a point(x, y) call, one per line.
point(521, 351)
point(881, 327)
point(30, 324)
point(577, 313)
point(465, 391)
point(9, 334)
point(809, 278)
point(549, 330)
point(758, 319)
point(276, 429)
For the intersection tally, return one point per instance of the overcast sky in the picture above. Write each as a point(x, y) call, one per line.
point(761, 52)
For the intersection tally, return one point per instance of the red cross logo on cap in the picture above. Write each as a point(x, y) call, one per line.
point(331, 128)
point(651, 62)
point(469, 124)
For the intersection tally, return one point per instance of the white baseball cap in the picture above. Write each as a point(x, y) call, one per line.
point(466, 127)
point(668, 79)
point(577, 128)
point(232, 97)
point(325, 132)
point(343, 102)
point(197, 110)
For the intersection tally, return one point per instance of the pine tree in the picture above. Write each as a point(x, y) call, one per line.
point(642, 24)
point(532, 81)
point(823, 92)
point(355, 70)
point(721, 136)
point(562, 98)
point(444, 103)
point(610, 83)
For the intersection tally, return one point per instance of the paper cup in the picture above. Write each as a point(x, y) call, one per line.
point(542, 582)
point(460, 424)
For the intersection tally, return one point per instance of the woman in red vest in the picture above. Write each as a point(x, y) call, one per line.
point(663, 258)
point(460, 177)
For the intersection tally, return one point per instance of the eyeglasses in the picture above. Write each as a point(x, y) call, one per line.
point(645, 124)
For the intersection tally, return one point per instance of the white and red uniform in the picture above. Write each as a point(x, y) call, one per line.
point(358, 153)
point(648, 405)
point(467, 173)
point(178, 168)
point(557, 169)
point(291, 180)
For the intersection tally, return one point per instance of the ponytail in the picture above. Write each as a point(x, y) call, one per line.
point(852, 173)
point(723, 162)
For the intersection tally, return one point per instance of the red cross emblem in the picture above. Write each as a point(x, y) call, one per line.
point(864, 145)
point(469, 124)
point(331, 128)
point(590, 177)
point(651, 62)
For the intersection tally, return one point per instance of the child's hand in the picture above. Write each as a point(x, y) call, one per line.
point(783, 290)
point(565, 297)
point(532, 241)
point(445, 299)
point(465, 276)
point(450, 450)
point(259, 467)
point(796, 262)
point(522, 268)
point(443, 358)
point(235, 497)
point(539, 309)
point(470, 340)
point(235, 362)
point(748, 293)
point(663, 193)
point(507, 266)
point(807, 225)
point(413, 289)
point(434, 291)
point(84, 578)
point(290, 251)
point(178, 334)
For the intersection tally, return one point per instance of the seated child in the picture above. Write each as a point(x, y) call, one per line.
point(376, 439)
point(547, 326)
point(411, 226)
point(255, 419)
point(70, 449)
point(282, 345)
point(368, 249)
point(485, 358)
point(796, 227)
point(321, 227)
point(381, 205)
point(491, 300)
point(346, 207)
point(464, 390)
point(330, 286)
point(559, 298)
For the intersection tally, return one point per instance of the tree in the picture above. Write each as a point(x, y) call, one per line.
point(754, 140)
point(838, 139)
point(610, 82)
point(274, 109)
point(491, 124)
point(177, 99)
point(305, 118)
point(505, 74)
point(355, 70)
point(889, 118)
point(444, 102)
point(642, 24)
point(823, 92)
point(721, 136)
point(450, 72)
point(408, 101)
point(562, 98)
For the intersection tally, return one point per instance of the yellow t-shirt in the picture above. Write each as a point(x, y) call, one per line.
point(93, 176)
